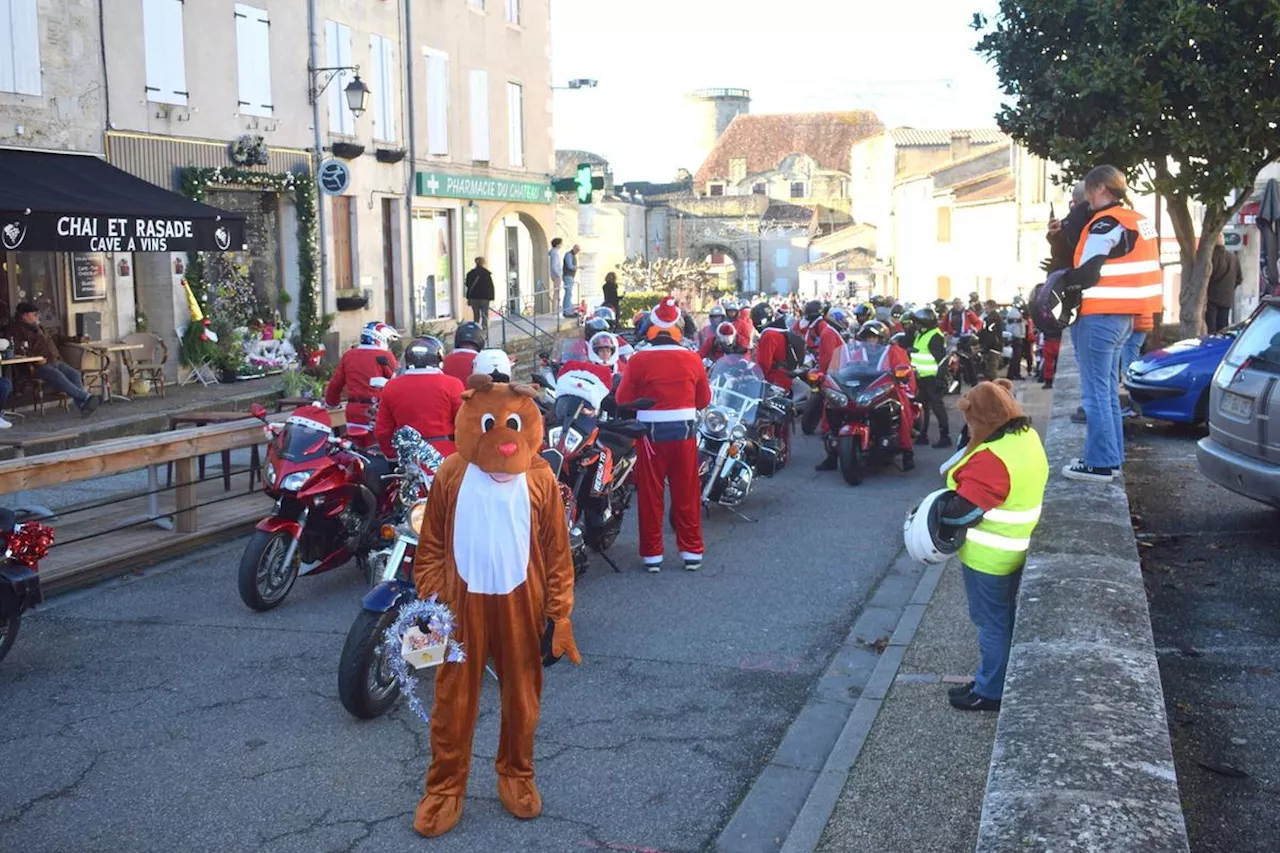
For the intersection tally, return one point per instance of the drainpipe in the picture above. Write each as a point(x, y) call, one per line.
point(313, 49)
point(412, 160)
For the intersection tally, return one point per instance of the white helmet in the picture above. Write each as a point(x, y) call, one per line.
point(927, 540)
point(603, 339)
point(584, 384)
point(492, 362)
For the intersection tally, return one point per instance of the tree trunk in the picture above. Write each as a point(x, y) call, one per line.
point(1190, 321)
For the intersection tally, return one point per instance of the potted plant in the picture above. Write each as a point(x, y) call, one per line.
point(351, 300)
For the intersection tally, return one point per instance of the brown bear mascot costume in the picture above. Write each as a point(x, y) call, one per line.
point(494, 546)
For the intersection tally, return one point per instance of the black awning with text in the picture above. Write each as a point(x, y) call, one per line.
point(79, 203)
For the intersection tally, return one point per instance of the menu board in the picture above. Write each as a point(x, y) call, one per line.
point(88, 276)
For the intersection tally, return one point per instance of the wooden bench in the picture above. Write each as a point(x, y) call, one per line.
point(19, 444)
point(200, 419)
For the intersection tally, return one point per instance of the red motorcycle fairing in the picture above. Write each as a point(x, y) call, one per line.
point(280, 524)
point(860, 430)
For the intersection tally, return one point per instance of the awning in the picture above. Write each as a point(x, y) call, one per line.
point(79, 203)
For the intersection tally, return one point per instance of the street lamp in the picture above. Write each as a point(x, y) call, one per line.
point(356, 92)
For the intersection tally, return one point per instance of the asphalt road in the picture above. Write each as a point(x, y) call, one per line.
point(158, 713)
point(1211, 560)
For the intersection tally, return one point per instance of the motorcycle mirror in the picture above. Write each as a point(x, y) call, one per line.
point(542, 381)
point(259, 411)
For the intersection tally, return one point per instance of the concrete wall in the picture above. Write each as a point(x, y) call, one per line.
point(871, 177)
point(68, 114)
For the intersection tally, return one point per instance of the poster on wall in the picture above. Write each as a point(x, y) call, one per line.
point(88, 276)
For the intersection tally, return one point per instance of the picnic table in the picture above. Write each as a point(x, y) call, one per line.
point(204, 419)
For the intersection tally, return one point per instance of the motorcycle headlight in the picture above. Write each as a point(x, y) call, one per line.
point(573, 440)
point(271, 474)
point(416, 513)
point(1162, 374)
point(739, 432)
point(295, 481)
point(864, 398)
point(837, 398)
point(553, 436)
point(715, 423)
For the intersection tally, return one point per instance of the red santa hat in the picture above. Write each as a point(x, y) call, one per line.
point(664, 319)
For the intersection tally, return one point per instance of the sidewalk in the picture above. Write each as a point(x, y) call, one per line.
point(918, 783)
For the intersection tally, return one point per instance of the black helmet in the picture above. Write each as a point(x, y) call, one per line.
point(864, 312)
point(899, 338)
point(469, 335)
point(424, 352)
point(594, 326)
point(926, 318)
point(761, 314)
point(874, 331)
point(877, 300)
point(897, 310)
point(812, 310)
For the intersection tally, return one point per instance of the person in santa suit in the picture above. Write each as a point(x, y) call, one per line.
point(726, 342)
point(468, 340)
point(423, 397)
point(674, 379)
point(779, 352)
point(602, 355)
point(820, 338)
point(746, 330)
point(372, 358)
point(708, 332)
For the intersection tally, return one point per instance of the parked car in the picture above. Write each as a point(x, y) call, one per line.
point(1172, 384)
point(1242, 452)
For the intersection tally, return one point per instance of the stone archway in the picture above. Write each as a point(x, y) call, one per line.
point(515, 244)
point(726, 261)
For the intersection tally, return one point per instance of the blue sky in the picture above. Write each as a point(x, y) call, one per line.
point(793, 55)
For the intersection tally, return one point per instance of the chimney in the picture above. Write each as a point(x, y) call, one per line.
point(959, 145)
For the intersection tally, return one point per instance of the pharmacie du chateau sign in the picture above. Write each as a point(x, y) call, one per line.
point(444, 185)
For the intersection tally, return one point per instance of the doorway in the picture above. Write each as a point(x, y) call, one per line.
point(513, 268)
point(389, 260)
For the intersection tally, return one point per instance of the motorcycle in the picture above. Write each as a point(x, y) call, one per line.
point(863, 409)
point(963, 362)
point(741, 434)
point(328, 496)
point(366, 686)
point(593, 458)
point(20, 575)
point(811, 377)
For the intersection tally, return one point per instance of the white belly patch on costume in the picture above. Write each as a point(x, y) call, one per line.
point(491, 532)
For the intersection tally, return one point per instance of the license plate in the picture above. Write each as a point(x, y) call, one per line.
point(1235, 405)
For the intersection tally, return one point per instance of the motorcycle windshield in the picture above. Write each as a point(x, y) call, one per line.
point(737, 384)
point(569, 349)
point(573, 421)
point(859, 363)
point(302, 444)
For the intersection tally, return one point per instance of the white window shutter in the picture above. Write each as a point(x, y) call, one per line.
point(479, 115)
point(437, 103)
point(375, 73)
point(343, 78)
point(331, 61)
point(20, 40)
point(255, 89)
point(165, 57)
point(387, 91)
point(515, 123)
point(337, 41)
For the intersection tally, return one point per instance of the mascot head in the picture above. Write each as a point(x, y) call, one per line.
point(499, 427)
point(987, 407)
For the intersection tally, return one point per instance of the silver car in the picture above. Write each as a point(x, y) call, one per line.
point(1242, 452)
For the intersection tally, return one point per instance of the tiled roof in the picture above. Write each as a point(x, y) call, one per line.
point(650, 190)
point(1002, 188)
point(782, 212)
point(766, 140)
point(907, 137)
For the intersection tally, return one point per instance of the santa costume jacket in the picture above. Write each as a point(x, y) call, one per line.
point(357, 366)
point(424, 398)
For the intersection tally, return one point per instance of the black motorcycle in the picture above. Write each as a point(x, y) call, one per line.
point(19, 576)
point(743, 433)
point(963, 363)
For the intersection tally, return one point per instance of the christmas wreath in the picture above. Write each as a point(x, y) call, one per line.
point(249, 150)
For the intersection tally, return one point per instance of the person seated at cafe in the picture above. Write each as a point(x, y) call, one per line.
point(30, 339)
point(6, 388)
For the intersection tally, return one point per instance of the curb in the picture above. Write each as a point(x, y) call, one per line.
point(792, 799)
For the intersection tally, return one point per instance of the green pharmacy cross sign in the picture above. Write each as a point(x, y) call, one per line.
point(445, 185)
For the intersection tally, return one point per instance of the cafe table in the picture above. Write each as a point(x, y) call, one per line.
point(12, 361)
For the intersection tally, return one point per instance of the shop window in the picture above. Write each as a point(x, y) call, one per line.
point(342, 251)
point(35, 277)
point(437, 102)
point(163, 46)
point(515, 112)
point(337, 46)
point(797, 189)
point(253, 56)
point(715, 189)
point(433, 253)
point(20, 48)
point(382, 79)
point(479, 115)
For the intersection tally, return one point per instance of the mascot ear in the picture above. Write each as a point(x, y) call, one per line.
point(480, 382)
point(525, 390)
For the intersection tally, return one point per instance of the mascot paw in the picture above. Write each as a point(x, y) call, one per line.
point(437, 814)
point(562, 642)
point(520, 796)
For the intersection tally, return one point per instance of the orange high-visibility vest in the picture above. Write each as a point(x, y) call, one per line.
point(1133, 284)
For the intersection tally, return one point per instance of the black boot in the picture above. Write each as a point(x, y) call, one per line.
point(828, 464)
point(944, 440)
point(908, 460)
point(1048, 384)
point(922, 438)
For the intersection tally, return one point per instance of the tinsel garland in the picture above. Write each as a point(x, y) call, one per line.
point(437, 619)
point(29, 543)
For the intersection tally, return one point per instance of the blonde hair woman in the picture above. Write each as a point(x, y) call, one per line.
point(1116, 272)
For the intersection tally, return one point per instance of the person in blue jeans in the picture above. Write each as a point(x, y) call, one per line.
point(570, 275)
point(1117, 276)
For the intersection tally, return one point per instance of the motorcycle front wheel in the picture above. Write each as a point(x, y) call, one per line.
point(264, 578)
point(853, 462)
point(812, 415)
point(8, 633)
point(366, 684)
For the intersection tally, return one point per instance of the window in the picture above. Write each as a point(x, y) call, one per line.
point(19, 47)
point(479, 115)
point(253, 57)
point(944, 287)
point(162, 43)
point(759, 188)
point(944, 225)
point(337, 46)
point(797, 189)
point(737, 169)
point(476, 4)
point(342, 245)
point(437, 102)
point(513, 11)
point(382, 77)
point(515, 114)
point(715, 189)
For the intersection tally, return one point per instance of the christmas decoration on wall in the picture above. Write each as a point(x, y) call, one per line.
point(249, 150)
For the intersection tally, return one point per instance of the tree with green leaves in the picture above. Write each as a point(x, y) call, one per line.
point(1182, 95)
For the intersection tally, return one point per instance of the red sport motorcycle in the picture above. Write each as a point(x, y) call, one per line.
point(329, 497)
point(24, 546)
point(863, 409)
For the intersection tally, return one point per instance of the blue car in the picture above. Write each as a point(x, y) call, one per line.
point(1172, 384)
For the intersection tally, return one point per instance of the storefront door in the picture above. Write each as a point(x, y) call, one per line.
point(36, 277)
point(433, 264)
point(513, 269)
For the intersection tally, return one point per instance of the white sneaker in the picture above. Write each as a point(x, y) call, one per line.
point(653, 568)
point(5, 424)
